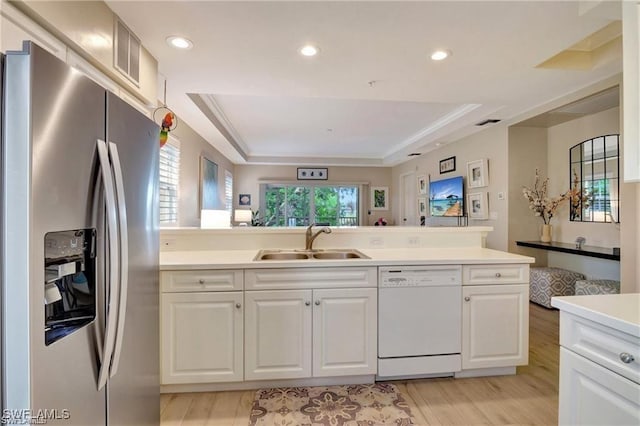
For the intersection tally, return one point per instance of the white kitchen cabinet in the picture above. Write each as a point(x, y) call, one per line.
point(593, 395)
point(15, 27)
point(286, 329)
point(599, 353)
point(278, 334)
point(344, 332)
point(201, 337)
point(495, 325)
point(631, 89)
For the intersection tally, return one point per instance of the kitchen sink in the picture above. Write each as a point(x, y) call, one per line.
point(282, 256)
point(324, 254)
point(351, 254)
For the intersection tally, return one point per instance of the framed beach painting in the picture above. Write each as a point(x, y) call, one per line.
point(379, 198)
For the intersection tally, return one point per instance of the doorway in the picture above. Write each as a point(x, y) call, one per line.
point(408, 207)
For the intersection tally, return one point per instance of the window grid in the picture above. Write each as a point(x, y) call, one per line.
point(300, 205)
point(228, 190)
point(169, 181)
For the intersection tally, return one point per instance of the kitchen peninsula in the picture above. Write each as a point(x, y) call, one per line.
point(229, 321)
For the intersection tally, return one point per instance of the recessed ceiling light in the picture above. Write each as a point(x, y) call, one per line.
point(309, 50)
point(439, 55)
point(179, 42)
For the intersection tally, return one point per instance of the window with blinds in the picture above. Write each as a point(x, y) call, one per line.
point(228, 190)
point(169, 181)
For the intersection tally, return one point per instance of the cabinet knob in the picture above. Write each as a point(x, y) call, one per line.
point(201, 281)
point(627, 358)
point(498, 274)
point(307, 303)
point(467, 298)
point(238, 305)
point(317, 303)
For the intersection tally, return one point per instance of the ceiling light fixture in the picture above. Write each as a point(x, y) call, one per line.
point(179, 42)
point(439, 55)
point(309, 50)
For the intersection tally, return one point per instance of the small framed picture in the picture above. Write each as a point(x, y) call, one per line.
point(422, 184)
point(478, 205)
point(379, 198)
point(477, 173)
point(422, 206)
point(448, 165)
point(244, 199)
point(313, 173)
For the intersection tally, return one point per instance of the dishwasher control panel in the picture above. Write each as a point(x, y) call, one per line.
point(419, 276)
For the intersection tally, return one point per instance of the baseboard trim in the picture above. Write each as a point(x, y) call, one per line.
point(480, 372)
point(259, 384)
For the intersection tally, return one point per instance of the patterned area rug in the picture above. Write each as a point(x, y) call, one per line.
point(356, 405)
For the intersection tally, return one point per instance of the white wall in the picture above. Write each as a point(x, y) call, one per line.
point(247, 180)
point(491, 144)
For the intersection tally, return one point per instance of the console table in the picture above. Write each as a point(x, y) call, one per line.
point(591, 251)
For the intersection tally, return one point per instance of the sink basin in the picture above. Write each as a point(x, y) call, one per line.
point(351, 254)
point(282, 256)
point(326, 254)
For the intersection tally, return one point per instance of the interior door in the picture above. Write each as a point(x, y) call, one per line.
point(408, 206)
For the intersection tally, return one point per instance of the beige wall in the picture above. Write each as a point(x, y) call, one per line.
point(491, 144)
point(247, 180)
point(560, 139)
point(192, 146)
point(548, 150)
point(75, 22)
point(527, 151)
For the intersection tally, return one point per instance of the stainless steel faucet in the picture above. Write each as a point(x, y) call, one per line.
point(579, 242)
point(311, 236)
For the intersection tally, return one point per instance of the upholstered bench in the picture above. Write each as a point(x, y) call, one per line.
point(597, 287)
point(544, 283)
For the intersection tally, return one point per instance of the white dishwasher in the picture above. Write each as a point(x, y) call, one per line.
point(419, 321)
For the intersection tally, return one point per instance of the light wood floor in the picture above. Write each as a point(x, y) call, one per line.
point(528, 398)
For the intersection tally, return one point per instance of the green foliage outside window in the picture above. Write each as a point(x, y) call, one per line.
point(292, 205)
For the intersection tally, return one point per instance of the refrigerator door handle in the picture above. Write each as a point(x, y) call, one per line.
point(113, 264)
point(124, 254)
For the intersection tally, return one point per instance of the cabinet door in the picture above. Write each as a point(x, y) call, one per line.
point(495, 326)
point(201, 337)
point(593, 395)
point(277, 334)
point(344, 332)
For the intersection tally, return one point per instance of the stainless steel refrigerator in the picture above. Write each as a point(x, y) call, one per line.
point(79, 249)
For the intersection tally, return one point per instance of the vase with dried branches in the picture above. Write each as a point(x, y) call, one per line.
point(542, 205)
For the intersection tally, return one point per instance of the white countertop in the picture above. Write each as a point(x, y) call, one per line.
point(221, 259)
point(619, 311)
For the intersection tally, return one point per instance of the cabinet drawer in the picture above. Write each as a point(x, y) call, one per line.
point(495, 274)
point(206, 280)
point(601, 344)
point(290, 278)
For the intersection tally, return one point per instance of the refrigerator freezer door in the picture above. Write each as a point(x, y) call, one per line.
point(134, 391)
point(53, 116)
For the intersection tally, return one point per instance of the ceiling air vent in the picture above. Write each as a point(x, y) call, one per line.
point(488, 121)
point(127, 52)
